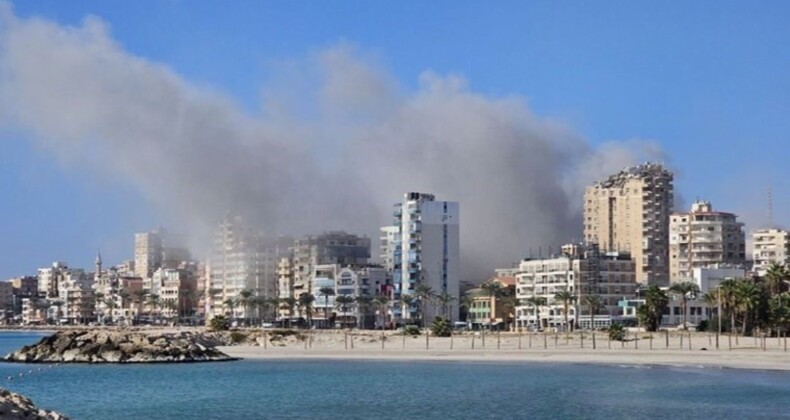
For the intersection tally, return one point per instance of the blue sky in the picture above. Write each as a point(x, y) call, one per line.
point(708, 81)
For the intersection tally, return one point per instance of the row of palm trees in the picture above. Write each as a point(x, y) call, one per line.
point(762, 303)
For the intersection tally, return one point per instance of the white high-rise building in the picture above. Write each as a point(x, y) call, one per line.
point(147, 253)
point(771, 246)
point(424, 244)
point(703, 238)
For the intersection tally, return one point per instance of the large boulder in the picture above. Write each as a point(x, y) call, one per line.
point(104, 346)
point(14, 406)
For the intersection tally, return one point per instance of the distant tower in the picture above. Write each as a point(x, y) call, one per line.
point(770, 208)
point(98, 263)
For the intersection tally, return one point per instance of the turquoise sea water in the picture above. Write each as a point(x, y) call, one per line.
point(388, 390)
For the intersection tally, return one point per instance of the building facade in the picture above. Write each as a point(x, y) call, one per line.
point(580, 271)
point(424, 243)
point(770, 246)
point(629, 212)
point(703, 238)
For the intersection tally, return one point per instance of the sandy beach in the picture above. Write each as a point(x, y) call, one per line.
point(748, 353)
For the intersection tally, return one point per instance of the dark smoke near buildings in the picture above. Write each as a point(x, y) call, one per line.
point(335, 143)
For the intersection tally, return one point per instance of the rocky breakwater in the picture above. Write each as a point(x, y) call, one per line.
point(102, 346)
point(14, 406)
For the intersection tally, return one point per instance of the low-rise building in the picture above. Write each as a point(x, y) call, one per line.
point(486, 311)
point(581, 271)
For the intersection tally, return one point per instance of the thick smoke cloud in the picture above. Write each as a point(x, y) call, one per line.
point(337, 141)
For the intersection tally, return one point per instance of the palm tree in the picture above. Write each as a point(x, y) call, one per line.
point(171, 306)
point(425, 295)
point(536, 302)
point(289, 304)
point(494, 291)
point(510, 303)
point(775, 277)
point(467, 301)
point(342, 302)
point(686, 290)
point(231, 304)
point(110, 304)
point(594, 304)
point(326, 292)
point(565, 297)
point(650, 314)
point(245, 300)
point(306, 301)
point(406, 301)
point(364, 303)
point(446, 300)
point(748, 296)
point(382, 302)
point(711, 299)
point(153, 302)
point(730, 300)
point(138, 296)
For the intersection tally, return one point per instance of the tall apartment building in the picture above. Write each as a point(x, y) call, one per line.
point(425, 249)
point(159, 248)
point(629, 212)
point(147, 253)
point(580, 271)
point(241, 259)
point(770, 246)
point(703, 238)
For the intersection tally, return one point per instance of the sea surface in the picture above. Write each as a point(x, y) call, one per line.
point(394, 390)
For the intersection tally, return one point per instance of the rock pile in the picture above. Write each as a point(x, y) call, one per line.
point(103, 346)
point(14, 406)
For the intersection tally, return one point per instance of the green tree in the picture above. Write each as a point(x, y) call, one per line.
point(306, 302)
point(467, 301)
point(231, 305)
point(566, 298)
point(326, 292)
point(219, 323)
point(382, 302)
point(729, 300)
point(441, 327)
point(364, 305)
point(537, 302)
point(748, 297)
point(686, 290)
point(406, 301)
point(509, 304)
point(425, 296)
point(245, 300)
point(779, 308)
point(342, 303)
point(656, 301)
point(775, 277)
point(446, 301)
point(289, 304)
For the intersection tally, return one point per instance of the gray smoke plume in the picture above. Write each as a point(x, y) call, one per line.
point(337, 141)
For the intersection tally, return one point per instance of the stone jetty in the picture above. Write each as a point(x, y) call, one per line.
point(107, 346)
point(14, 406)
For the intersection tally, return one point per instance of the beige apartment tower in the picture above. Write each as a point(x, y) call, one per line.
point(703, 238)
point(629, 212)
point(771, 246)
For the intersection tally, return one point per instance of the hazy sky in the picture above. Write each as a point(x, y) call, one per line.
point(306, 106)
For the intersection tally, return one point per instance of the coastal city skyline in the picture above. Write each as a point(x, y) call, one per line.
point(60, 192)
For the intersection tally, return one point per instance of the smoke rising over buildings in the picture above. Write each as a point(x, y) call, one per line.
point(336, 142)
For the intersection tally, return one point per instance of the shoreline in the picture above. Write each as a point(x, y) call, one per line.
point(748, 360)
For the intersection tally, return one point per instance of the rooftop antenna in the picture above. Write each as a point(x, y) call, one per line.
point(770, 207)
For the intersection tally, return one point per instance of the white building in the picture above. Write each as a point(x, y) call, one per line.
point(708, 279)
point(771, 246)
point(611, 276)
point(704, 238)
point(425, 249)
point(351, 282)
